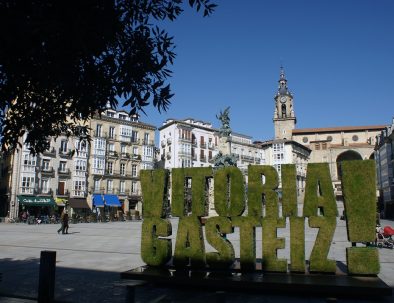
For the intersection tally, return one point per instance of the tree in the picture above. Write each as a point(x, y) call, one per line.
point(62, 61)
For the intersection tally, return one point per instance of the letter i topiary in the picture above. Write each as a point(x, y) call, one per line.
point(216, 228)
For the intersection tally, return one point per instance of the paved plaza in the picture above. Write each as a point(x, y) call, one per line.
point(91, 257)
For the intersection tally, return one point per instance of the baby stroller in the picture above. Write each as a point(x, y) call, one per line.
point(384, 237)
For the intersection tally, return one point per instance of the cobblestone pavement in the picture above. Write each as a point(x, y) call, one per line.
point(90, 258)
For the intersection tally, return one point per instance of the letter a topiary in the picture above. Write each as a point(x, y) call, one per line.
point(229, 192)
point(189, 246)
point(198, 177)
point(359, 195)
point(319, 193)
point(154, 190)
point(257, 190)
point(216, 228)
point(155, 251)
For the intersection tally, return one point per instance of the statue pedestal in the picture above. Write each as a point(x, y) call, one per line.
point(225, 145)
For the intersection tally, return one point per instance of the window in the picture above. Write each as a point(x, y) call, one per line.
point(79, 188)
point(134, 170)
point(110, 168)
point(324, 145)
point(111, 147)
point(98, 130)
point(122, 117)
point(133, 187)
point(97, 185)
point(63, 146)
point(62, 166)
point(122, 186)
point(80, 147)
point(61, 188)
point(45, 164)
point(29, 160)
point(123, 148)
point(110, 114)
point(355, 138)
point(146, 138)
point(135, 150)
point(80, 165)
point(305, 139)
point(27, 185)
point(110, 186)
point(134, 136)
point(111, 132)
point(45, 186)
point(125, 131)
point(317, 146)
point(123, 169)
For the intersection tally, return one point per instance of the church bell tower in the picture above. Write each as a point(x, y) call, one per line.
point(284, 117)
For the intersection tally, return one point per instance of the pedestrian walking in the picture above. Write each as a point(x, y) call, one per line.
point(64, 223)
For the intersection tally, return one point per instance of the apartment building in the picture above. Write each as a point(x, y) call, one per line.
point(79, 174)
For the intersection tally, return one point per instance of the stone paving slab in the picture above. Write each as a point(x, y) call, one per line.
point(92, 256)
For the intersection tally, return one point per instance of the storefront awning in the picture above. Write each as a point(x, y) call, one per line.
point(36, 201)
point(61, 201)
point(98, 201)
point(112, 200)
point(78, 203)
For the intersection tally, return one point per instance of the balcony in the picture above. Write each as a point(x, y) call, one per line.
point(148, 142)
point(27, 190)
point(67, 154)
point(99, 134)
point(63, 193)
point(50, 152)
point(194, 157)
point(125, 155)
point(112, 154)
point(47, 171)
point(78, 193)
point(169, 141)
point(211, 145)
point(43, 191)
point(135, 193)
point(203, 159)
point(247, 158)
point(194, 143)
point(136, 157)
point(65, 173)
point(168, 156)
point(163, 143)
point(188, 140)
point(203, 145)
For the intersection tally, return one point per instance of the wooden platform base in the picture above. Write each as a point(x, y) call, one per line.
point(304, 284)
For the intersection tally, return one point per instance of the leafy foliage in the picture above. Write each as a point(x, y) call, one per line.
point(156, 251)
point(62, 61)
point(229, 192)
point(216, 229)
point(154, 191)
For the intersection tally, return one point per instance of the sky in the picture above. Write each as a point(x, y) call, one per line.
point(338, 58)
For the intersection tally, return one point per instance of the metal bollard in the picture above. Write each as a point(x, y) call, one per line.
point(46, 285)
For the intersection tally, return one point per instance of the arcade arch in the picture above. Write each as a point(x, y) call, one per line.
point(348, 155)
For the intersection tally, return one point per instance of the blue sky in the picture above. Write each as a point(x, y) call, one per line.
point(338, 58)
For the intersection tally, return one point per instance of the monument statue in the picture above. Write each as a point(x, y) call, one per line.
point(224, 117)
point(224, 157)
